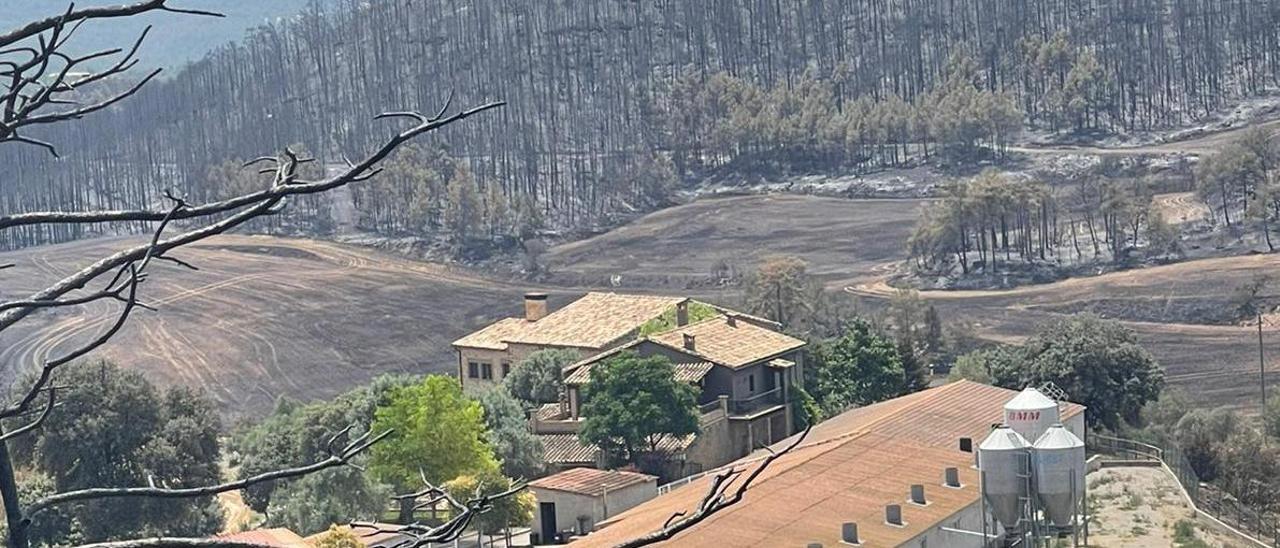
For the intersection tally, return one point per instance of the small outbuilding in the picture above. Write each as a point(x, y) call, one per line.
point(572, 502)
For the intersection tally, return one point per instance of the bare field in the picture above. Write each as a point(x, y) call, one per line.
point(264, 317)
point(681, 246)
point(267, 317)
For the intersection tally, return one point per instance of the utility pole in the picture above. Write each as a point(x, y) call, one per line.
point(1262, 366)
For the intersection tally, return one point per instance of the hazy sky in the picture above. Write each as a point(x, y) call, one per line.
point(175, 40)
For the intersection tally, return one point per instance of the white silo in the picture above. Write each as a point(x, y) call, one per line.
point(1003, 460)
point(1030, 413)
point(1059, 460)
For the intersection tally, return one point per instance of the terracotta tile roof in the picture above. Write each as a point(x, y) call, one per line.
point(278, 536)
point(848, 469)
point(593, 321)
point(685, 372)
point(733, 343)
point(592, 482)
point(550, 412)
point(494, 336)
point(567, 449)
point(370, 538)
point(806, 495)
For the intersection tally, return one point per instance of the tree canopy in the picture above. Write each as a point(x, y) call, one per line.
point(439, 432)
point(518, 450)
point(859, 367)
point(113, 428)
point(632, 403)
point(1099, 364)
point(539, 378)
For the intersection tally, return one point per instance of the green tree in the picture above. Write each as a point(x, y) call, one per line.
point(1099, 363)
point(507, 512)
point(296, 434)
point(439, 432)
point(315, 501)
point(907, 311)
point(996, 365)
point(338, 537)
point(518, 449)
point(463, 212)
point(858, 368)
point(632, 403)
point(539, 378)
point(113, 428)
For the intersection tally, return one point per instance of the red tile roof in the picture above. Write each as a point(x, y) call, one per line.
point(592, 482)
point(848, 469)
point(278, 536)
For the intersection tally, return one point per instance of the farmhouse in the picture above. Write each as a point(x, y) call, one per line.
point(590, 325)
point(897, 473)
point(746, 373)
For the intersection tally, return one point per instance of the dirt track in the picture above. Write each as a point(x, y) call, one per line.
point(1204, 143)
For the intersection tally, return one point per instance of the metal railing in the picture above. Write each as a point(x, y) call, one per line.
point(757, 402)
point(1257, 523)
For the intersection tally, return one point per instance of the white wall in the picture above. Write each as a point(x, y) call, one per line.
point(571, 506)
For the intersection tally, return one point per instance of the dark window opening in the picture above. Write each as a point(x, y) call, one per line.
point(506, 369)
point(751, 382)
point(486, 371)
point(473, 370)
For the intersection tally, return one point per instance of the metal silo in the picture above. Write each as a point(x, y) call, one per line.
point(1059, 461)
point(1003, 461)
point(1031, 413)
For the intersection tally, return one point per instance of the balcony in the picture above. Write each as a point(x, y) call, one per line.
point(756, 403)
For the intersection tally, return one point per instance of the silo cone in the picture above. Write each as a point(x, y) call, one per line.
point(1002, 459)
point(1059, 460)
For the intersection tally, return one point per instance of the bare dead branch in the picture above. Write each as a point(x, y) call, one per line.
point(715, 500)
point(175, 542)
point(37, 27)
point(48, 408)
point(423, 535)
point(355, 447)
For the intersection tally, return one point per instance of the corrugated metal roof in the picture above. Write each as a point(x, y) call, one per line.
point(848, 469)
point(590, 481)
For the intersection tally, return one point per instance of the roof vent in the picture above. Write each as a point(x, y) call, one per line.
point(849, 533)
point(689, 342)
point(966, 445)
point(814, 545)
point(732, 321)
point(893, 515)
point(917, 495)
point(951, 478)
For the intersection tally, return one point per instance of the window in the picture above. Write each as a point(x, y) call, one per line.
point(751, 382)
point(506, 369)
point(486, 371)
point(473, 370)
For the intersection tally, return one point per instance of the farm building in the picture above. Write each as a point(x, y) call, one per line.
point(574, 501)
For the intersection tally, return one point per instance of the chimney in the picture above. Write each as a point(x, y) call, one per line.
point(682, 313)
point(814, 545)
point(951, 478)
point(966, 445)
point(849, 533)
point(893, 515)
point(689, 342)
point(917, 495)
point(535, 306)
point(732, 321)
